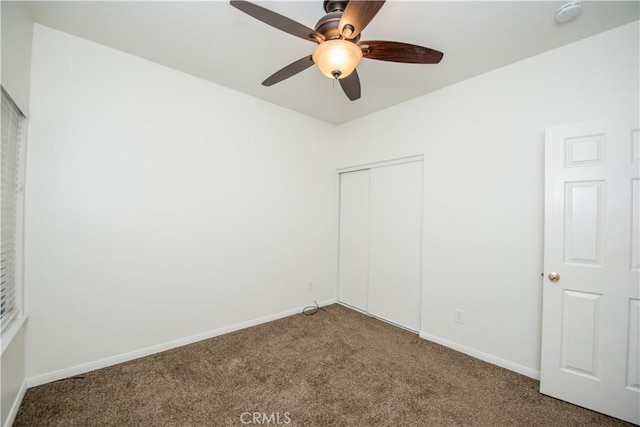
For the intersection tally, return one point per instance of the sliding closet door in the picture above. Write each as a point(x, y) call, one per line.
point(354, 238)
point(395, 243)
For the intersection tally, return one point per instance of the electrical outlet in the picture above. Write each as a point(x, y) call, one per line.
point(310, 285)
point(458, 316)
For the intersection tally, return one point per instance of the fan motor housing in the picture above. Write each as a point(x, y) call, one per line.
point(329, 24)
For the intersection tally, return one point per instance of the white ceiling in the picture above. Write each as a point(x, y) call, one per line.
point(217, 42)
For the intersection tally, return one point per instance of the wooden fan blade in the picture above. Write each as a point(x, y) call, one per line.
point(351, 85)
point(288, 71)
point(358, 14)
point(399, 52)
point(278, 21)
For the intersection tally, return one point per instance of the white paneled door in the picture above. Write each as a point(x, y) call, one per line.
point(381, 241)
point(591, 293)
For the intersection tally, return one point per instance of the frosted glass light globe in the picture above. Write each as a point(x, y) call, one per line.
point(337, 59)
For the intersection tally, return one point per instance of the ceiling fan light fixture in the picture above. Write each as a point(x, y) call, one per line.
point(339, 49)
point(337, 59)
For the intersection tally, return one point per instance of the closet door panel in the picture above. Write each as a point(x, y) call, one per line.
point(354, 238)
point(395, 243)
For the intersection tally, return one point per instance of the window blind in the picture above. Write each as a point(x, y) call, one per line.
point(12, 121)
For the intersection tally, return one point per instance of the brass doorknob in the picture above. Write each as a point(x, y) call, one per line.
point(554, 277)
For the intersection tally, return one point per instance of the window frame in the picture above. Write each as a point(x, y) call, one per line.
point(16, 320)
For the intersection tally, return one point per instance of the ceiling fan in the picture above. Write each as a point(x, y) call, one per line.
point(339, 49)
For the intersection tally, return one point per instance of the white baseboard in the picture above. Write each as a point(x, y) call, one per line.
point(531, 373)
point(114, 360)
point(11, 417)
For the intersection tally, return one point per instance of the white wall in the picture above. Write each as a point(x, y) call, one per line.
point(482, 141)
point(161, 206)
point(17, 29)
point(17, 32)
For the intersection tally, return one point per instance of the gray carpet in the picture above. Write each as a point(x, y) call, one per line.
point(336, 368)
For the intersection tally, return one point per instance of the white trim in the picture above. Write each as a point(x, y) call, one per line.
point(136, 354)
point(528, 372)
point(398, 161)
point(11, 417)
point(10, 331)
point(337, 287)
point(421, 287)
